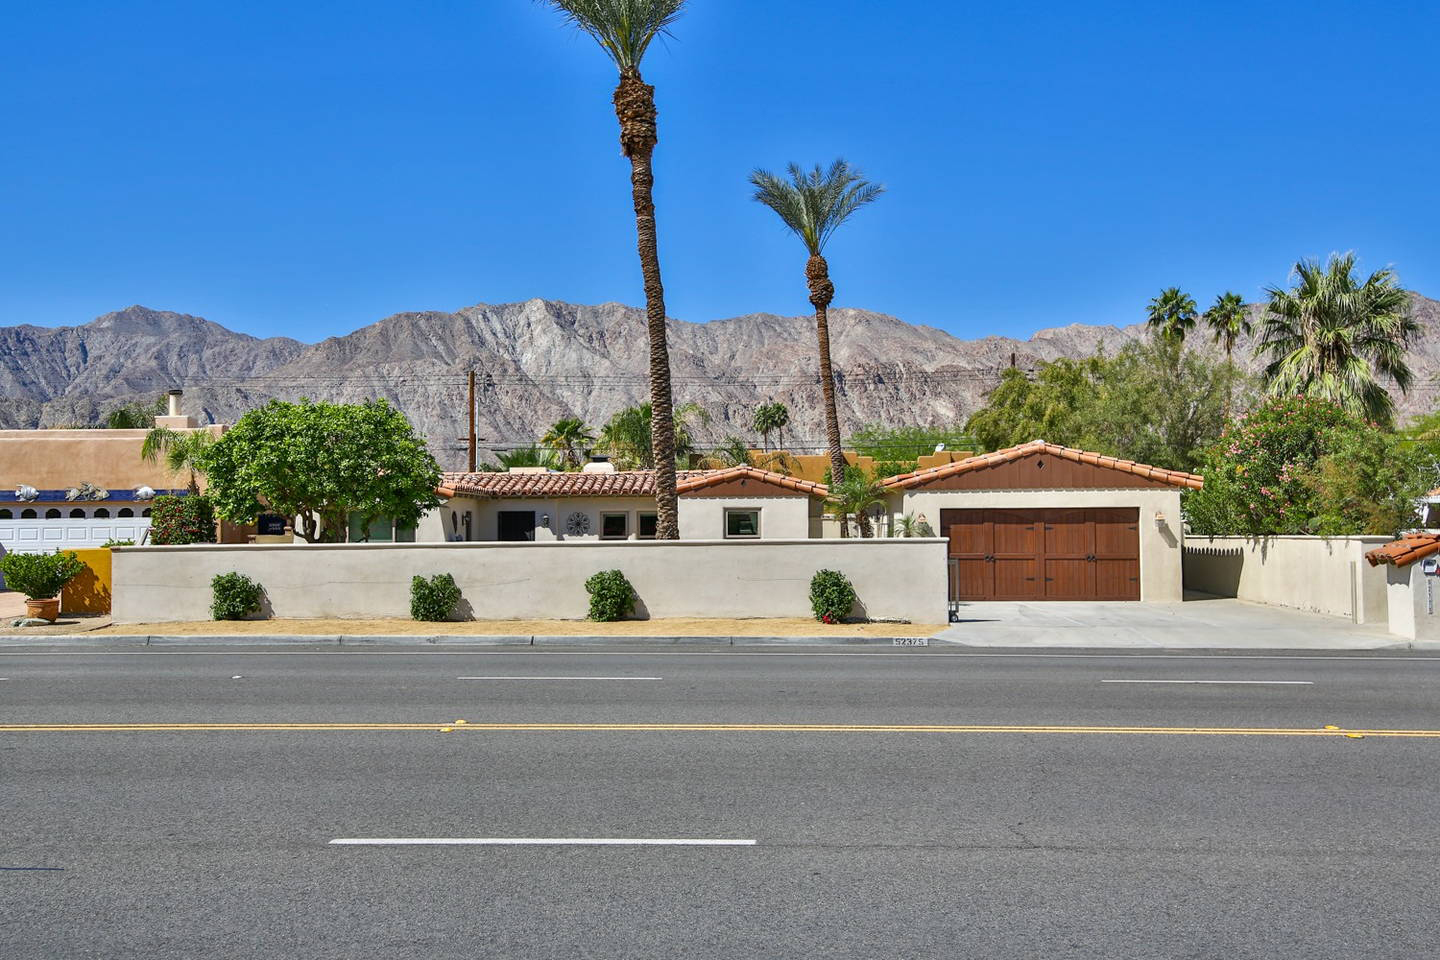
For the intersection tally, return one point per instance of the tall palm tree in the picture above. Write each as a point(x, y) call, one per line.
point(1229, 319)
point(1172, 314)
point(1333, 337)
point(180, 449)
point(625, 29)
point(813, 205)
point(770, 418)
point(568, 437)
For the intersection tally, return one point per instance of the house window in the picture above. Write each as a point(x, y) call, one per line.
point(742, 524)
point(145, 512)
point(77, 514)
point(647, 523)
point(53, 514)
point(614, 526)
point(6, 515)
point(101, 513)
point(27, 514)
point(125, 512)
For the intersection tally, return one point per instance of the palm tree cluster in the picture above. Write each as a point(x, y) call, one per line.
point(812, 204)
point(1330, 335)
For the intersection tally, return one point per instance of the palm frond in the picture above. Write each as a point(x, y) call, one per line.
point(814, 203)
point(623, 28)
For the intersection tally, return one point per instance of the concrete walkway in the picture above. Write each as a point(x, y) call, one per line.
point(1195, 624)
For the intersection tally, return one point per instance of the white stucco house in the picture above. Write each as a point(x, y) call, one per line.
point(600, 503)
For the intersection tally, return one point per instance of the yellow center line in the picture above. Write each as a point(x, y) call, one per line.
point(465, 726)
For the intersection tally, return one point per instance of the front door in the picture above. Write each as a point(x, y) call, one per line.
point(517, 525)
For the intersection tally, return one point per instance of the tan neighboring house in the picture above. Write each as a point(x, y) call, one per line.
point(79, 488)
point(1045, 522)
point(737, 503)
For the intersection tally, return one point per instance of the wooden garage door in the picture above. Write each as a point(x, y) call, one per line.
point(1060, 554)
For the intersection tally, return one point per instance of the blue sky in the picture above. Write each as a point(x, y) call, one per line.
point(307, 168)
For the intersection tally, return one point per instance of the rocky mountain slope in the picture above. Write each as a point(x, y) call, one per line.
point(541, 360)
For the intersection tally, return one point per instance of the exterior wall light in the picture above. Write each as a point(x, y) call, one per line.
point(1159, 518)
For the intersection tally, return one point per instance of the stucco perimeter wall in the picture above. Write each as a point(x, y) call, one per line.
point(1160, 578)
point(501, 581)
point(1320, 574)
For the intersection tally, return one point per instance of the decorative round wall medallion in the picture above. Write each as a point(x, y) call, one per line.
point(577, 524)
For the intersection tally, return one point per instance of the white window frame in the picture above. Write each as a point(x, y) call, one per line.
point(725, 530)
point(623, 515)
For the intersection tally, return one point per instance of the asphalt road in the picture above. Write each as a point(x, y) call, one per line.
point(868, 843)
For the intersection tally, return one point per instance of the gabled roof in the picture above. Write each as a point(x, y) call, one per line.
point(627, 483)
point(1406, 550)
point(919, 478)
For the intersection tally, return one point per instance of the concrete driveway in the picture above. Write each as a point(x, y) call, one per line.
point(1195, 624)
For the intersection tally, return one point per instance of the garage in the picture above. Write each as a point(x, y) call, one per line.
point(1045, 522)
point(1056, 554)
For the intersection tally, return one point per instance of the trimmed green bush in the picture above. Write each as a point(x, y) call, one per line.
point(433, 599)
point(832, 596)
point(235, 595)
point(611, 596)
point(181, 520)
point(40, 576)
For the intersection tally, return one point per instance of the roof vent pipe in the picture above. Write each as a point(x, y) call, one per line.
point(174, 400)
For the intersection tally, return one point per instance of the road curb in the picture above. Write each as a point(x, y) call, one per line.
point(457, 640)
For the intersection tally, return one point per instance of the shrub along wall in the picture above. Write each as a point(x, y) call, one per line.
point(759, 578)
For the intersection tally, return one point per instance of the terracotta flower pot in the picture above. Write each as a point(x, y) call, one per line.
point(43, 609)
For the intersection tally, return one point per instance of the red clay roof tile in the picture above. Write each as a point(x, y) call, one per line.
point(628, 483)
point(1406, 550)
point(919, 478)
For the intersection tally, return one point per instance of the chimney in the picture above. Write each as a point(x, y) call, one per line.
point(173, 418)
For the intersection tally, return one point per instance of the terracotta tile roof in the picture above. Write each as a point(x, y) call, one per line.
point(628, 483)
point(696, 480)
point(1406, 550)
point(1174, 478)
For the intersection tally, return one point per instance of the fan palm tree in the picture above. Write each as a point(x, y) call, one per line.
point(531, 456)
point(626, 437)
point(1229, 320)
point(770, 418)
point(179, 449)
point(625, 29)
point(1333, 337)
point(813, 205)
point(1172, 314)
point(855, 496)
point(568, 437)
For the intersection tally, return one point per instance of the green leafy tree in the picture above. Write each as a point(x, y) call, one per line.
point(569, 438)
point(1152, 402)
point(321, 462)
point(1172, 314)
point(1334, 337)
point(625, 29)
point(771, 418)
point(813, 205)
point(181, 450)
point(1305, 465)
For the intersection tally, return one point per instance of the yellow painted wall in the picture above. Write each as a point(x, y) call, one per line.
point(60, 459)
point(89, 592)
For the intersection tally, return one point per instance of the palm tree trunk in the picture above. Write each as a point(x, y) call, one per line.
point(866, 531)
point(822, 291)
point(635, 109)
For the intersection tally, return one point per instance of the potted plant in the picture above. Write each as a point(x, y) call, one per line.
point(40, 576)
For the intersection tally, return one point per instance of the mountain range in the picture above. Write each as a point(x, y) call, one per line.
point(541, 360)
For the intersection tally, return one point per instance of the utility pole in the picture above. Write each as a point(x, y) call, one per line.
point(471, 460)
